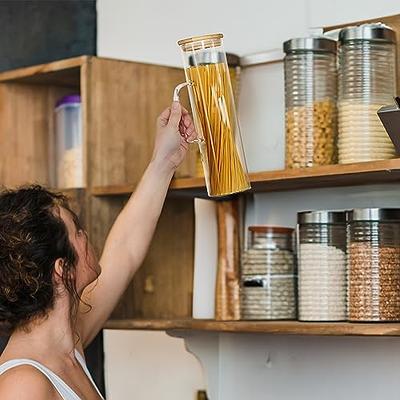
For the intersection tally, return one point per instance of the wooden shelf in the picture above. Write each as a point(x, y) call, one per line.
point(383, 171)
point(59, 73)
point(273, 327)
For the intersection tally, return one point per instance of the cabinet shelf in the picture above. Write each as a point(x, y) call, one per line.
point(269, 327)
point(382, 171)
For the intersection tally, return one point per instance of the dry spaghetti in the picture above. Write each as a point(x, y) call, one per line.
point(215, 121)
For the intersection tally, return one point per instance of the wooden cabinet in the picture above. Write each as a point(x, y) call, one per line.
point(120, 103)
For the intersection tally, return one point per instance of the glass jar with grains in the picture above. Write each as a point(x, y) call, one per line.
point(310, 101)
point(374, 264)
point(367, 81)
point(321, 253)
point(268, 280)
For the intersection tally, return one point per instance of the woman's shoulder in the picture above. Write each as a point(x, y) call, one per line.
point(26, 382)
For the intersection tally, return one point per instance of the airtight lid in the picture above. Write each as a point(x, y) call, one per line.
point(69, 99)
point(373, 32)
point(317, 43)
point(201, 42)
point(321, 217)
point(374, 214)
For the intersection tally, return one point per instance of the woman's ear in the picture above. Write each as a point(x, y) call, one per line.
point(58, 270)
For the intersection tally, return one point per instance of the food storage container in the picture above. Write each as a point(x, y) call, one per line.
point(374, 264)
point(268, 280)
point(69, 145)
point(213, 106)
point(234, 71)
point(321, 252)
point(310, 101)
point(367, 81)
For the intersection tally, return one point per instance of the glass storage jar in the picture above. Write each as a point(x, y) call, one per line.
point(321, 255)
point(374, 264)
point(268, 280)
point(310, 101)
point(214, 113)
point(69, 143)
point(367, 81)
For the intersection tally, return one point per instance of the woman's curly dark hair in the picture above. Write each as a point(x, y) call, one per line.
point(32, 237)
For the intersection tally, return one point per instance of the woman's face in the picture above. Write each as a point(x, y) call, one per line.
point(88, 268)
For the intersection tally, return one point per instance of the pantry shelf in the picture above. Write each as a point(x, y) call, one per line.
point(269, 327)
point(382, 171)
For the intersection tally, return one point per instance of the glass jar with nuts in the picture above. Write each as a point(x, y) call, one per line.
point(310, 102)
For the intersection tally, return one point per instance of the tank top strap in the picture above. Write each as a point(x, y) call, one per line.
point(82, 361)
point(62, 388)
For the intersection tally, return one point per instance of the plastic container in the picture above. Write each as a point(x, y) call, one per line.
point(213, 106)
point(321, 254)
point(367, 81)
point(374, 264)
point(268, 280)
point(310, 102)
point(69, 143)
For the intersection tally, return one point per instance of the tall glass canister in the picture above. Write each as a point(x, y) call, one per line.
point(268, 276)
point(321, 248)
point(214, 113)
point(367, 81)
point(374, 264)
point(310, 101)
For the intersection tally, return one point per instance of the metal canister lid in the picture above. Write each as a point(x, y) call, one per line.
point(317, 43)
point(213, 57)
point(377, 32)
point(268, 229)
point(374, 214)
point(321, 217)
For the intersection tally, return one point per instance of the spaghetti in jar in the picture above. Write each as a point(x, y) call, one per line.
point(214, 113)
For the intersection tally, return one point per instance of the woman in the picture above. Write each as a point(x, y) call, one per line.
point(49, 276)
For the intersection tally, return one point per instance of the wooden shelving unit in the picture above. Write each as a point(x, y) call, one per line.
point(291, 179)
point(120, 103)
point(273, 327)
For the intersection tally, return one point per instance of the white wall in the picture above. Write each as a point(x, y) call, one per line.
point(149, 366)
point(147, 30)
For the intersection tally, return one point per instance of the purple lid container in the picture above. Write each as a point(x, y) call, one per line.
point(69, 99)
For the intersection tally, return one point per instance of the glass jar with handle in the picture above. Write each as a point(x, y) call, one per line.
point(213, 105)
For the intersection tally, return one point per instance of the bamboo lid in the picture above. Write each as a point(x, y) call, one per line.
point(201, 42)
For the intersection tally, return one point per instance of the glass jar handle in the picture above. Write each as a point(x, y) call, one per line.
point(177, 99)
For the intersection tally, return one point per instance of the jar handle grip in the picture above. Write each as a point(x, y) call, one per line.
point(176, 98)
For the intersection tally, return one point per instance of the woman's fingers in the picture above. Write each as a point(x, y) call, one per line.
point(163, 118)
point(175, 115)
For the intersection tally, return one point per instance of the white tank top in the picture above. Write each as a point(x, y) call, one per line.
point(62, 388)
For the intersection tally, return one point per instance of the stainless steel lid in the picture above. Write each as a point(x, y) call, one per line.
point(213, 57)
point(374, 32)
point(317, 43)
point(321, 217)
point(374, 214)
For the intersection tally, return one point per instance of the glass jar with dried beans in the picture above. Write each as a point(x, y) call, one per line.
point(374, 264)
point(268, 279)
point(310, 102)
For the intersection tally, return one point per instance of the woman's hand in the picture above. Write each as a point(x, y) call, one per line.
point(175, 129)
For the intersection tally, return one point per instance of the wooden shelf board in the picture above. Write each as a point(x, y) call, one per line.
point(59, 73)
point(382, 171)
point(270, 327)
